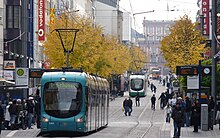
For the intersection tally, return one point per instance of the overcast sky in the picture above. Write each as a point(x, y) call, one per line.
point(160, 8)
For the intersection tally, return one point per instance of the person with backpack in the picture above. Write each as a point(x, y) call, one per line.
point(178, 117)
point(137, 99)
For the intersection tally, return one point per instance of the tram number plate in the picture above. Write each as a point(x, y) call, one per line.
point(63, 124)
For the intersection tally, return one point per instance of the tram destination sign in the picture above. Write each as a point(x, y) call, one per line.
point(187, 70)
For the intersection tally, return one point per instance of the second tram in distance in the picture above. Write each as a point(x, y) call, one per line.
point(137, 84)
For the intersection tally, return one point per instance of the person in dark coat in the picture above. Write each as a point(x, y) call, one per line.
point(130, 103)
point(152, 87)
point(162, 99)
point(37, 101)
point(211, 106)
point(30, 110)
point(125, 106)
point(137, 99)
point(188, 111)
point(195, 115)
point(155, 89)
point(13, 114)
point(1, 117)
point(153, 100)
point(178, 117)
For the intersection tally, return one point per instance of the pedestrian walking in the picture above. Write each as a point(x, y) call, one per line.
point(195, 115)
point(188, 111)
point(130, 103)
point(125, 106)
point(211, 105)
point(7, 116)
point(137, 99)
point(13, 114)
point(30, 110)
point(37, 101)
point(178, 116)
point(1, 117)
point(153, 100)
point(155, 89)
point(172, 102)
point(164, 82)
point(152, 87)
point(168, 113)
point(148, 83)
point(162, 99)
point(217, 118)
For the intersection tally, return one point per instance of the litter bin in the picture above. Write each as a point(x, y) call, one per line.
point(204, 117)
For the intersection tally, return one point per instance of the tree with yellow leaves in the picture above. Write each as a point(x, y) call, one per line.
point(138, 59)
point(184, 44)
point(94, 52)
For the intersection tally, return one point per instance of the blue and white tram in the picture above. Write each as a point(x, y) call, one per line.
point(73, 101)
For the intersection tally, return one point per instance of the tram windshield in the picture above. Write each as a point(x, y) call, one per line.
point(62, 99)
point(137, 84)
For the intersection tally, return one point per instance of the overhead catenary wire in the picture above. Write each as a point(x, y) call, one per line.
point(14, 38)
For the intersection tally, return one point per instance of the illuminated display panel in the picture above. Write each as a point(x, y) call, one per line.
point(189, 70)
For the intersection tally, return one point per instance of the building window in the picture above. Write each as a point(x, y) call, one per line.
point(13, 16)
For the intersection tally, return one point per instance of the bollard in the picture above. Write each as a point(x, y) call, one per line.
point(204, 117)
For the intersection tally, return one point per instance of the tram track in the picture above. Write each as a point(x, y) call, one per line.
point(151, 125)
point(134, 128)
point(139, 122)
point(118, 109)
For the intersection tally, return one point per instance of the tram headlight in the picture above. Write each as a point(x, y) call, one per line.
point(44, 119)
point(63, 79)
point(79, 120)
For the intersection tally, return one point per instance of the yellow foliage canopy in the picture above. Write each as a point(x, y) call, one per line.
point(184, 44)
point(93, 51)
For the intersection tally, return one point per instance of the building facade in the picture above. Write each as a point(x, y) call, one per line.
point(154, 31)
point(1, 38)
point(108, 15)
point(127, 25)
